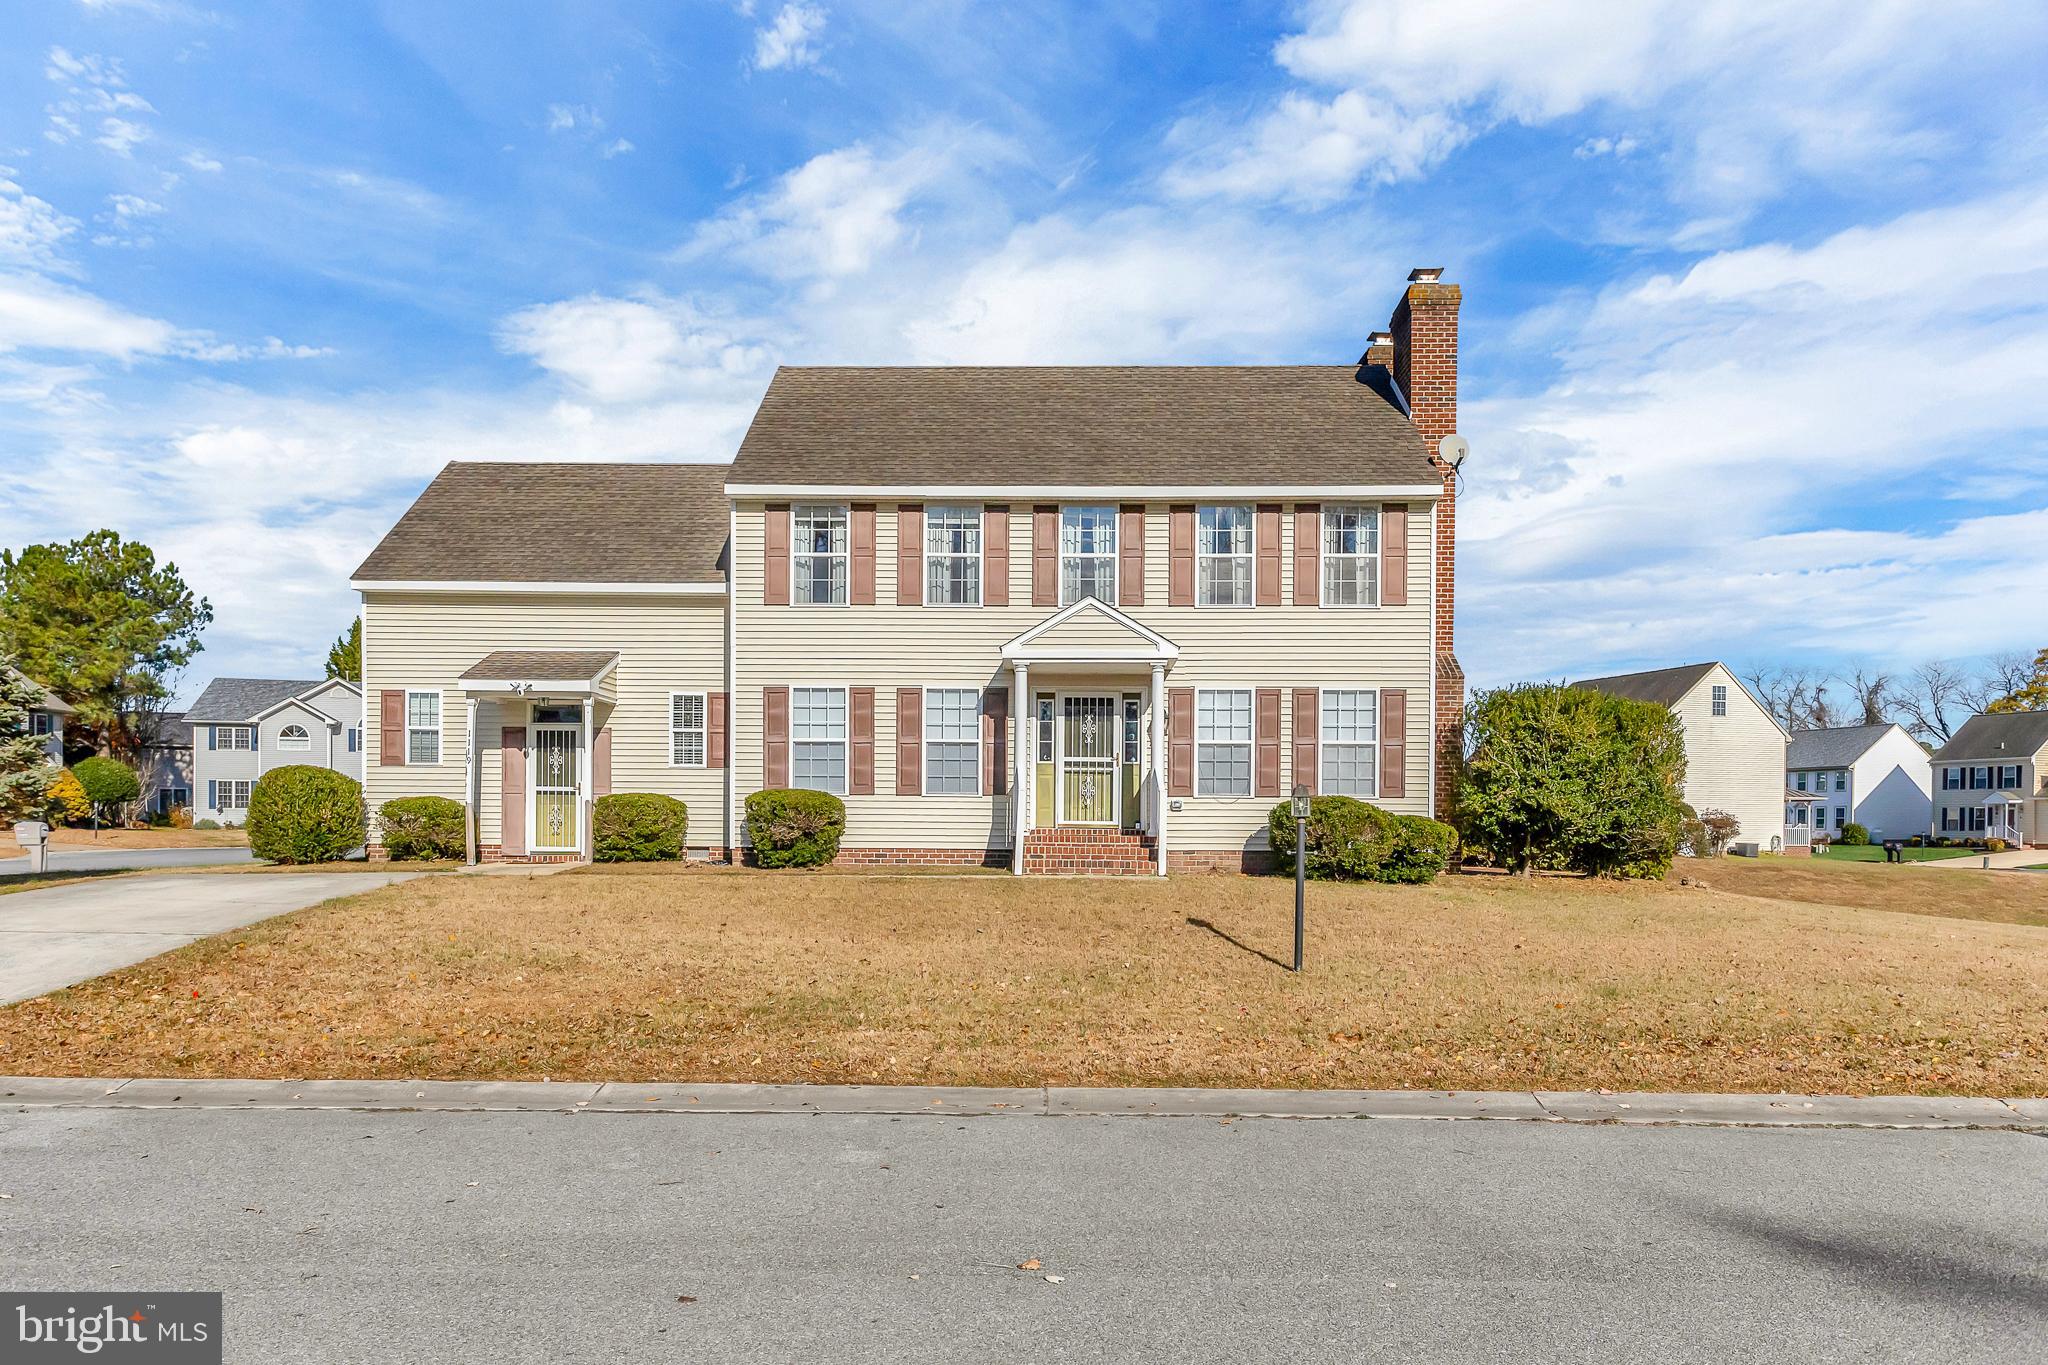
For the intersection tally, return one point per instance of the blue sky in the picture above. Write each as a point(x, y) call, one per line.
point(1756, 320)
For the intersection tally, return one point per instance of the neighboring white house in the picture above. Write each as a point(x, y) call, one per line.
point(1734, 746)
point(1877, 776)
point(1992, 779)
point(244, 727)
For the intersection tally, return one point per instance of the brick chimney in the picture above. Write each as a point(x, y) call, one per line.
point(1424, 345)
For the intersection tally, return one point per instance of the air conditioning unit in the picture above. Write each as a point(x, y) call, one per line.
point(1746, 849)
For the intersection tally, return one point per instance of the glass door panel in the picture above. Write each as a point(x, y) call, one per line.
point(556, 788)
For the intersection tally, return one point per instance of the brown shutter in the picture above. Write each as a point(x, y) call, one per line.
point(1393, 742)
point(995, 557)
point(1180, 557)
point(1130, 554)
point(1308, 544)
point(910, 741)
point(1045, 556)
point(601, 763)
point(1266, 554)
point(1266, 734)
point(860, 735)
point(995, 740)
point(775, 737)
point(1307, 730)
point(391, 728)
point(1180, 741)
point(1394, 555)
point(775, 555)
point(910, 555)
point(512, 791)
point(860, 590)
point(715, 729)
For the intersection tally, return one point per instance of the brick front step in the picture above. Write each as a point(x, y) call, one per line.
point(1090, 852)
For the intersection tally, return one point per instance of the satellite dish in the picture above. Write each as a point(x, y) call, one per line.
point(1453, 449)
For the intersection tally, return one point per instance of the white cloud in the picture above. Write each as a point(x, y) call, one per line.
point(30, 228)
point(94, 85)
point(199, 161)
point(633, 350)
point(615, 149)
point(39, 314)
point(563, 118)
point(791, 39)
point(1617, 147)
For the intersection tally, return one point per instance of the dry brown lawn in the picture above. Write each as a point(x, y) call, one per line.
point(1755, 982)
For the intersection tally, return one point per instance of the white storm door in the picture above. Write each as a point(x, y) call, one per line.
point(1089, 752)
point(557, 789)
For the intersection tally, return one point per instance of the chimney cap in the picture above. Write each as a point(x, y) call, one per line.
point(1425, 274)
point(1379, 339)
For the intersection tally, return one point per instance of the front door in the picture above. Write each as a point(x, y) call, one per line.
point(1089, 752)
point(557, 788)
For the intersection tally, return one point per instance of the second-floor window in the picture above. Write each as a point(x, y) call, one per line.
point(233, 737)
point(1223, 556)
point(952, 556)
point(1720, 699)
point(1800, 782)
point(1087, 554)
point(2008, 776)
point(1951, 779)
point(1841, 782)
point(1980, 779)
point(1351, 556)
point(294, 738)
point(41, 722)
point(818, 554)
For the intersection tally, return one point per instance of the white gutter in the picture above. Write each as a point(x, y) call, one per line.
point(1074, 492)
point(504, 586)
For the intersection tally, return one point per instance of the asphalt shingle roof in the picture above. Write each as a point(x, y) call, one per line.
point(238, 700)
point(1835, 747)
point(2006, 738)
point(1664, 686)
point(559, 665)
point(1059, 426)
point(572, 523)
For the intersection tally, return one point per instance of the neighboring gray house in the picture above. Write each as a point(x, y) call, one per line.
point(46, 720)
point(1876, 776)
point(165, 764)
point(244, 727)
point(1991, 780)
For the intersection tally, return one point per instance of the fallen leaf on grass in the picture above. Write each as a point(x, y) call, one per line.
point(1344, 1039)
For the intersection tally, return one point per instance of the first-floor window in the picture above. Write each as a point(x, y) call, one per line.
point(1948, 818)
point(233, 795)
point(423, 727)
point(1798, 817)
point(294, 738)
point(952, 741)
point(1349, 762)
point(1841, 816)
point(817, 735)
point(686, 729)
point(1223, 743)
point(1133, 723)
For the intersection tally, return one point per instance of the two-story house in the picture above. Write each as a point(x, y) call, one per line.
point(46, 720)
point(1876, 776)
point(1991, 779)
point(1047, 618)
point(241, 728)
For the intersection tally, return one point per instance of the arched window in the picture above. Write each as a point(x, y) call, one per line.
point(294, 737)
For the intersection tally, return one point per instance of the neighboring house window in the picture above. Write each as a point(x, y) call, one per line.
point(1720, 699)
point(1351, 556)
point(952, 556)
point(355, 739)
point(2008, 776)
point(175, 797)
point(41, 722)
point(1223, 556)
point(817, 734)
point(1087, 554)
point(234, 795)
point(1799, 817)
point(1800, 782)
point(1977, 816)
point(1841, 782)
point(233, 737)
point(1223, 743)
point(294, 739)
point(1980, 779)
point(1349, 762)
point(687, 729)
point(1951, 779)
point(1045, 729)
point(423, 727)
point(1841, 816)
point(819, 551)
point(952, 741)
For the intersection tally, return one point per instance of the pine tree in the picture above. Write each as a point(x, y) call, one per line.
point(25, 768)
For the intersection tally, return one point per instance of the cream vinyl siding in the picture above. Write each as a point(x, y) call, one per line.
point(886, 646)
point(665, 644)
point(1089, 631)
point(1735, 762)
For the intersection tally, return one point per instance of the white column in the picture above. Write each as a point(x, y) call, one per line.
point(1024, 755)
point(470, 833)
point(583, 796)
point(1159, 762)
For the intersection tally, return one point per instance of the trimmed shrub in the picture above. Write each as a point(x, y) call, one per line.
point(639, 827)
point(1994, 845)
point(414, 827)
point(1854, 834)
point(792, 827)
point(1353, 840)
point(303, 814)
point(108, 783)
point(179, 817)
point(68, 804)
point(1706, 834)
point(206, 824)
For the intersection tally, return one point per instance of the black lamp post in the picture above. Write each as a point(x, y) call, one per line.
point(1300, 804)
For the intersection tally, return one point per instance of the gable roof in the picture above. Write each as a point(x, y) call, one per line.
point(51, 702)
point(237, 701)
point(1835, 747)
point(304, 700)
point(559, 523)
point(2009, 738)
point(1075, 426)
point(172, 731)
point(1064, 635)
point(1664, 686)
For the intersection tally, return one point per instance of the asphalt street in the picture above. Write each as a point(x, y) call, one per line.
point(71, 859)
point(349, 1236)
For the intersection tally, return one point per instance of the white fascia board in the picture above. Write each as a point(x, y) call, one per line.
point(1030, 657)
point(548, 687)
point(451, 585)
point(1087, 492)
point(304, 701)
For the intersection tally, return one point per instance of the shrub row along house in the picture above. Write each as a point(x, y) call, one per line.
point(1048, 618)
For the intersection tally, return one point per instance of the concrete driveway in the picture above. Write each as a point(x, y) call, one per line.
point(1976, 862)
point(75, 931)
point(71, 859)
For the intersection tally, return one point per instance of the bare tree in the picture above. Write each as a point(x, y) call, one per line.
point(1935, 700)
point(1797, 696)
point(2002, 675)
point(1873, 693)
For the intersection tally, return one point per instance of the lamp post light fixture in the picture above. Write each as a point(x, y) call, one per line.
point(1300, 804)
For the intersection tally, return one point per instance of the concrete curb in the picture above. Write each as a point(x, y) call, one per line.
point(611, 1097)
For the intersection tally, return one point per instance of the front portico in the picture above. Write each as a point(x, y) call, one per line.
point(551, 707)
point(1088, 700)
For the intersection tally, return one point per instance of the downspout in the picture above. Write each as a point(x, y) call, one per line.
point(732, 709)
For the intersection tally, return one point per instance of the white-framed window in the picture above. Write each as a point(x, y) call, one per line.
point(1351, 556)
point(952, 556)
point(1134, 726)
point(1223, 556)
point(1045, 727)
point(234, 737)
point(1223, 742)
point(1348, 763)
point(1720, 699)
point(1951, 779)
point(2008, 776)
point(1841, 782)
point(1799, 781)
point(41, 722)
point(234, 795)
point(689, 734)
point(355, 739)
point(1087, 554)
point(817, 738)
point(952, 741)
point(422, 727)
point(294, 739)
point(1980, 779)
point(818, 559)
